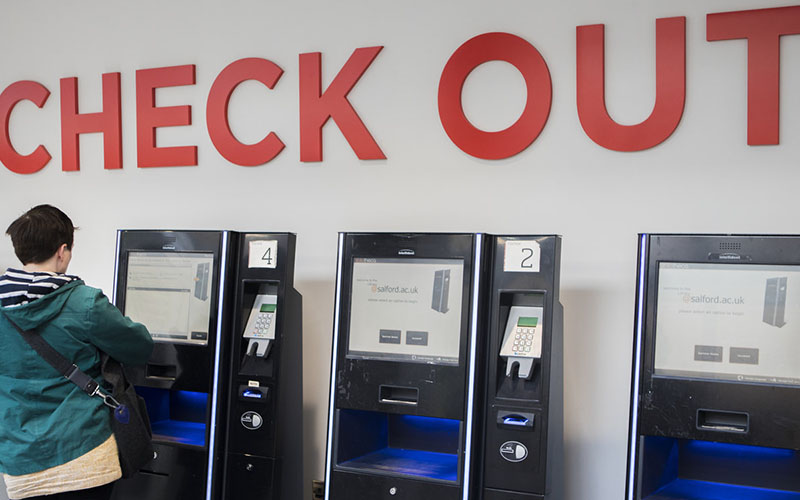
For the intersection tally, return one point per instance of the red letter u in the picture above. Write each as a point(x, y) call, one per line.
point(670, 88)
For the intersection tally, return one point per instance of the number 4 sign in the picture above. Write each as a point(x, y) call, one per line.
point(263, 253)
point(522, 256)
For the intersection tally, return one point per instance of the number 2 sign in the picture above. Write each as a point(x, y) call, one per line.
point(522, 256)
point(263, 253)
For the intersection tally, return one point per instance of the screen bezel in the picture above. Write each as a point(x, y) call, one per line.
point(398, 357)
point(442, 388)
point(667, 406)
point(201, 242)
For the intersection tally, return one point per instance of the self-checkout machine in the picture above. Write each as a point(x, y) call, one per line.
point(715, 407)
point(176, 283)
point(264, 446)
point(403, 380)
point(522, 441)
point(223, 386)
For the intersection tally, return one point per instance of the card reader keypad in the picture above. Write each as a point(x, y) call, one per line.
point(262, 325)
point(523, 341)
point(261, 322)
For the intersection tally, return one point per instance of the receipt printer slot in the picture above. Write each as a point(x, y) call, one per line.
point(723, 421)
point(167, 372)
point(397, 395)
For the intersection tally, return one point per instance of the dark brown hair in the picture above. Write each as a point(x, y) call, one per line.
point(39, 233)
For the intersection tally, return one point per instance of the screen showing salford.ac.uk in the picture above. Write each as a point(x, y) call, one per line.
point(406, 310)
point(738, 322)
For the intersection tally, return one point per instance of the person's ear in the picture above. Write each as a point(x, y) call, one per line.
point(62, 250)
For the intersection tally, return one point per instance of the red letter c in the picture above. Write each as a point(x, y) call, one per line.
point(219, 129)
point(13, 94)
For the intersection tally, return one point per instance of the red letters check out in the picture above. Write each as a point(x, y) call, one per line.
point(762, 28)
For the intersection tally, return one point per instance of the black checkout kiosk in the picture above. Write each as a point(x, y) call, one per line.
point(715, 408)
point(522, 439)
point(433, 394)
point(223, 385)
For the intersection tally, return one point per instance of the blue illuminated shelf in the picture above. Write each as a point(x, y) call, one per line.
point(440, 466)
point(686, 489)
point(179, 431)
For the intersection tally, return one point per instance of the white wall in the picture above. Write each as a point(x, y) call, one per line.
point(703, 179)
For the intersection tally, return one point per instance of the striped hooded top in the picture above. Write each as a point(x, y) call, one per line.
point(20, 287)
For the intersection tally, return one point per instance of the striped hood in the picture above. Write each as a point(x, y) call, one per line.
point(20, 287)
point(32, 299)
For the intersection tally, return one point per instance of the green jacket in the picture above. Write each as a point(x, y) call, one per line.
point(46, 420)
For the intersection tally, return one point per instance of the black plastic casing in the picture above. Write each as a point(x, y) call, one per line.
point(443, 391)
point(541, 398)
point(669, 411)
point(235, 462)
point(182, 470)
point(266, 463)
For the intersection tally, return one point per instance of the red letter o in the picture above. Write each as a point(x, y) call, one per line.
point(523, 56)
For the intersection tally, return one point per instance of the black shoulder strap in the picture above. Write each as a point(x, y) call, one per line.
point(69, 370)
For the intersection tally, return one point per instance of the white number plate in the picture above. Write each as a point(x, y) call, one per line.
point(522, 256)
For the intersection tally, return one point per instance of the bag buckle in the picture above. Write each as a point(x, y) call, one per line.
point(108, 399)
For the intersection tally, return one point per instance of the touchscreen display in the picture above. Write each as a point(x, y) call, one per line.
point(406, 310)
point(170, 293)
point(738, 322)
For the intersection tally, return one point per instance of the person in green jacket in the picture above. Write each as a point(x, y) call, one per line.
point(55, 440)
